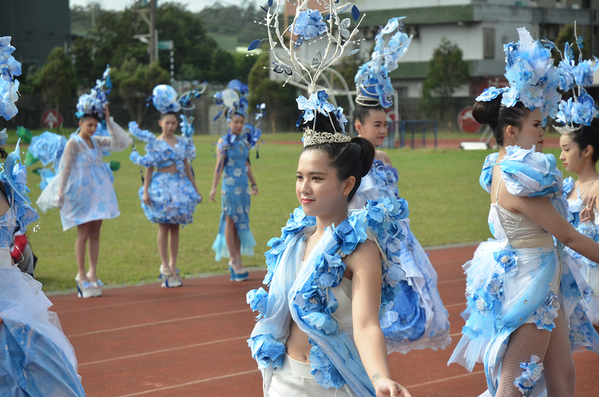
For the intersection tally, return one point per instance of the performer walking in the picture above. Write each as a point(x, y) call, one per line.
point(82, 188)
point(169, 196)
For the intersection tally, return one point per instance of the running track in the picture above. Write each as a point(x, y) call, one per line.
point(191, 341)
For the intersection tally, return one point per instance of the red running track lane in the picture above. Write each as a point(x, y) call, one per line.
point(191, 341)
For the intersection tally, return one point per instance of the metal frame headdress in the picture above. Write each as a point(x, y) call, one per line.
point(233, 99)
point(94, 102)
point(309, 25)
point(373, 84)
point(187, 110)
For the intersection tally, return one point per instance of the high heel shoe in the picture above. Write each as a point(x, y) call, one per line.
point(238, 275)
point(84, 288)
point(170, 280)
point(96, 286)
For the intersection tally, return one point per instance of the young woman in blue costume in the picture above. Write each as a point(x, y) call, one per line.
point(523, 313)
point(318, 332)
point(580, 152)
point(36, 358)
point(234, 236)
point(169, 196)
point(419, 318)
point(82, 188)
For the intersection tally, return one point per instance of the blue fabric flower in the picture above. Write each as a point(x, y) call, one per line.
point(482, 301)
point(329, 270)
point(164, 98)
point(323, 370)
point(530, 376)
point(491, 93)
point(350, 233)
point(95, 102)
point(506, 262)
point(309, 24)
point(9, 87)
point(47, 147)
point(495, 287)
point(579, 111)
point(486, 176)
point(583, 72)
point(545, 315)
point(323, 322)
point(258, 300)
point(267, 351)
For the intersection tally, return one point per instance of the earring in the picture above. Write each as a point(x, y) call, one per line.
point(515, 137)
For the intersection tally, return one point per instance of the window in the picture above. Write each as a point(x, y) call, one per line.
point(489, 43)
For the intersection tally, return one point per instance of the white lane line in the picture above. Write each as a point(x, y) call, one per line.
point(163, 351)
point(150, 301)
point(444, 379)
point(157, 322)
point(195, 382)
point(455, 305)
point(455, 280)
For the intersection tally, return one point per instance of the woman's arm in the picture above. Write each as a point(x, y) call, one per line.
point(384, 157)
point(69, 156)
point(147, 181)
point(191, 177)
point(252, 179)
point(364, 265)
point(119, 140)
point(540, 210)
point(218, 169)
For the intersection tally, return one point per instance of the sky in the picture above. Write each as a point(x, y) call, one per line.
point(192, 5)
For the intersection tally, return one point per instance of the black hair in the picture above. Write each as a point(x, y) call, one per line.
point(499, 116)
point(361, 112)
point(90, 116)
point(3, 153)
point(162, 115)
point(352, 158)
point(588, 136)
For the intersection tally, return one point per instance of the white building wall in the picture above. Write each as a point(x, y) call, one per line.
point(376, 5)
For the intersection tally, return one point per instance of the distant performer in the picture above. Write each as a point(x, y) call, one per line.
point(234, 237)
point(169, 195)
point(82, 187)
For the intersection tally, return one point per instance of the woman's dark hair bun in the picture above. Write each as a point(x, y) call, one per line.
point(487, 112)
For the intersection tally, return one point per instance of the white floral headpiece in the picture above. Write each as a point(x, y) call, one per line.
point(164, 98)
point(578, 110)
point(308, 26)
point(532, 76)
point(94, 102)
point(233, 99)
point(9, 86)
point(372, 80)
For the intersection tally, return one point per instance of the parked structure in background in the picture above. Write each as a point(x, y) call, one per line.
point(36, 27)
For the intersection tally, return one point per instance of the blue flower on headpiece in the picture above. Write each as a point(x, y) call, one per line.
point(583, 72)
point(577, 112)
point(9, 67)
point(317, 103)
point(372, 79)
point(164, 98)
point(491, 93)
point(309, 24)
point(566, 75)
point(233, 99)
point(95, 102)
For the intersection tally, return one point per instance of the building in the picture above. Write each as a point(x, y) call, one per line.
point(36, 27)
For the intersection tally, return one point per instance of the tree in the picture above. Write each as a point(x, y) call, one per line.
point(446, 71)
point(134, 82)
point(56, 79)
point(566, 35)
point(223, 67)
point(233, 21)
point(281, 107)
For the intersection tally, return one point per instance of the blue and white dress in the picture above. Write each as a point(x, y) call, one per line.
point(521, 277)
point(313, 295)
point(417, 318)
point(85, 179)
point(589, 269)
point(36, 358)
point(235, 194)
point(172, 195)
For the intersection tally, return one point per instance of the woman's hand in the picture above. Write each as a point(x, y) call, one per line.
point(199, 194)
point(146, 198)
point(588, 213)
point(389, 388)
point(254, 189)
point(212, 195)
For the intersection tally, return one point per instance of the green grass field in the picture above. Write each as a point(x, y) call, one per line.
point(447, 206)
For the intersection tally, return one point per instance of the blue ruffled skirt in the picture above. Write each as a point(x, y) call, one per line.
point(416, 319)
point(173, 198)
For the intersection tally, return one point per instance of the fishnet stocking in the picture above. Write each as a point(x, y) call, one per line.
point(553, 348)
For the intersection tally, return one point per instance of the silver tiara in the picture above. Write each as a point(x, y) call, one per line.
point(366, 101)
point(311, 137)
point(566, 129)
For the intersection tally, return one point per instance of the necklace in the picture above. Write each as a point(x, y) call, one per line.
point(588, 186)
